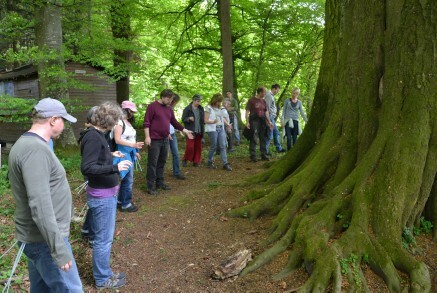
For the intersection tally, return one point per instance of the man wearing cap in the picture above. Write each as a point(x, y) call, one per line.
point(193, 118)
point(43, 202)
point(156, 124)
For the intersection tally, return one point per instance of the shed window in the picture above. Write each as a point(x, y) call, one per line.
point(7, 88)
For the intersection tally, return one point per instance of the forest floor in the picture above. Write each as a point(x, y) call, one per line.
point(177, 238)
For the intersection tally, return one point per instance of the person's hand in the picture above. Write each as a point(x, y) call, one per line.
point(138, 156)
point(282, 124)
point(118, 154)
point(148, 141)
point(124, 165)
point(67, 266)
point(191, 118)
point(189, 133)
point(170, 137)
point(139, 144)
point(215, 120)
point(271, 126)
point(248, 125)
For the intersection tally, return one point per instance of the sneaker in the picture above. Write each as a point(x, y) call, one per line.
point(152, 192)
point(180, 177)
point(211, 165)
point(231, 150)
point(85, 234)
point(163, 187)
point(227, 167)
point(112, 284)
point(184, 163)
point(130, 209)
point(119, 276)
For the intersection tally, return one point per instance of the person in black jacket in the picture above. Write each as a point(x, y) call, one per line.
point(193, 118)
point(102, 190)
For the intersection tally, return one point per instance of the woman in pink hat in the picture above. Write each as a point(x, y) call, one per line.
point(125, 137)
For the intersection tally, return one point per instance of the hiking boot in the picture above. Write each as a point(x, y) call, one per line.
point(253, 160)
point(112, 284)
point(184, 163)
point(227, 167)
point(163, 187)
point(130, 209)
point(180, 177)
point(265, 159)
point(281, 151)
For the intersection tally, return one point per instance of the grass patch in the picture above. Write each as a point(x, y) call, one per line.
point(176, 202)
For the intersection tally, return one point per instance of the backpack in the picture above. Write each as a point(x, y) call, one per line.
point(110, 138)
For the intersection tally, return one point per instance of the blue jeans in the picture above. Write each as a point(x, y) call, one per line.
point(236, 130)
point(103, 212)
point(291, 133)
point(45, 275)
point(125, 191)
point(217, 138)
point(274, 134)
point(86, 228)
point(156, 159)
point(175, 153)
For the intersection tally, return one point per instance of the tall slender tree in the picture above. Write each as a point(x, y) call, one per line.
point(121, 31)
point(365, 166)
point(51, 68)
point(224, 13)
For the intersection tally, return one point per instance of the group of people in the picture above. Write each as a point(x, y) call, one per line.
point(43, 196)
point(261, 115)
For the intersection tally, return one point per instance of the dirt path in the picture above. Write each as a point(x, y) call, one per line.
point(178, 237)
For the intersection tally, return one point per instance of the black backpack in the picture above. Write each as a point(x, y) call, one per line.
point(110, 138)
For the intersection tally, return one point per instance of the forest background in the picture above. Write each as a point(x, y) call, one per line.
point(361, 181)
point(146, 46)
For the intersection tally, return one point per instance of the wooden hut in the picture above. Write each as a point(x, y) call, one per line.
point(95, 88)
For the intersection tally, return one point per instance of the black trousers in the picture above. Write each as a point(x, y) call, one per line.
point(259, 130)
point(156, 159)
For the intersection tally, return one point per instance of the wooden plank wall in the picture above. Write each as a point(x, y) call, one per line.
point(102, 89)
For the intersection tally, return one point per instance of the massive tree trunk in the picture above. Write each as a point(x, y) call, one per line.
point(364, 167)
point(51, 68)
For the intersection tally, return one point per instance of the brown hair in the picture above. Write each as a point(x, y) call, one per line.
point(216, 99)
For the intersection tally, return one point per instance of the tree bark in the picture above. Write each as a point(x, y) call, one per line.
point(51, 68)
point(224, 13)
point(121, 31)
point(364, 167)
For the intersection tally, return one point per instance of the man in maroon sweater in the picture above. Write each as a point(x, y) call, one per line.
point(156, 124)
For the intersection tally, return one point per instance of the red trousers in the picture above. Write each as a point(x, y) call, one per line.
point(193, 150)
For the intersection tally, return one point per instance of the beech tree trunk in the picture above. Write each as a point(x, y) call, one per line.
point(51, 68)
point(224, 16)
point(121, 31)
point(365, 166)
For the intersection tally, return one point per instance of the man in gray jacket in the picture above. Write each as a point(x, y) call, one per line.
point(43, 202)
point(271, 106)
